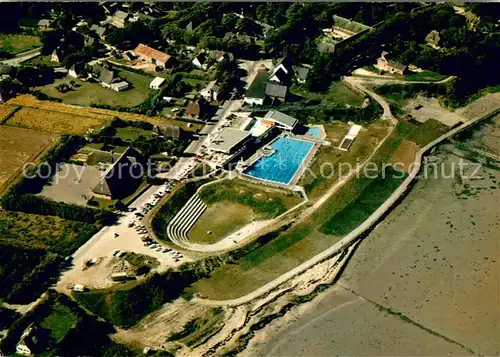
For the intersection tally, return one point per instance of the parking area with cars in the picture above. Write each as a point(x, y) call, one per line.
point(128, 235)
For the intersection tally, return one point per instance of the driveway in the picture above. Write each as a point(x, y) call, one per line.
point(22, 57)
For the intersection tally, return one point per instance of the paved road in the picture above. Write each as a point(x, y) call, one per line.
point(368, 223)
point(21, 57)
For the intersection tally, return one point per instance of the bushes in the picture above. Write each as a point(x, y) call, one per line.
point(126, 307)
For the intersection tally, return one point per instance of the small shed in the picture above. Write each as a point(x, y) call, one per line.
point(118, 87)
point(156, 83)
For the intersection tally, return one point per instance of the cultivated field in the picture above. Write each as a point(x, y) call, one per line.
point(424, 282)
point(405, 155)
point(19, 146)
point(95, 113)
point(53, 121)
point(5, 111)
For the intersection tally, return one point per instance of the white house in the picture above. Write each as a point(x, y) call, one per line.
point(200, 61)
point(211, 91)
point(156, 83)
point(28, 342)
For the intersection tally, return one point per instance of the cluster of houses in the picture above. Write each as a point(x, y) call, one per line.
point(272, 86)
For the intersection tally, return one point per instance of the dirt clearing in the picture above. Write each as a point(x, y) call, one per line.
point(404, 156)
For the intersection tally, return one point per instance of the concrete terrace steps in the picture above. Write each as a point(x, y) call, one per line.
point(180, 225)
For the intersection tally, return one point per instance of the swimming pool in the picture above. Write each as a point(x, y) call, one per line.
point(313, 132)
point(283, 164)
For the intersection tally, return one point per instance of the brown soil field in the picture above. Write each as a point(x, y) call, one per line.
point(480, 106)
point(18, 146)
point(404, 155)
point(424, 282)
point(53, 121)
point(96, 113)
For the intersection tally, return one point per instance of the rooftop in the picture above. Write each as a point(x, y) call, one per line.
point(281, 118)
point(149, 52)
point(258, 87)
point(227, 139)
point(158, 81)
point(346, 24)
point(276, 90)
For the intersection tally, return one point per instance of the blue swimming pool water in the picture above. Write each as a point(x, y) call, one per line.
point(314, 132)
point(282, 165)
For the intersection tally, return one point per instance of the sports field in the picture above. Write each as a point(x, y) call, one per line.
point(232, 204)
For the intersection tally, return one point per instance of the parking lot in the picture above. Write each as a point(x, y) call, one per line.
point(125, 237)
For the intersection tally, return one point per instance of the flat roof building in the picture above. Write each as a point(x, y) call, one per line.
point(229, 140)
point(282, 120)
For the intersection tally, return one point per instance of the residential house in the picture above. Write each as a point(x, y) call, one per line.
point(101, 157)
point(221, 55)
point(120, 179)
point(154, 56)
point(211, 91)
point(276, 91)
point(99, 30)
point(169, 131)
point(119, 19)
point(28, 343)
point(388, 65)
point(433, 38)
point(104, 75)
point(301, 73)
point(256, 92)
point(77, 70)
point(57, 55)
point(156, 83)
point(200, 61)
point(283, 71)
point(197, 109)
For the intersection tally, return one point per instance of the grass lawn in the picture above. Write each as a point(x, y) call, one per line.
point(421, 133)
point(232, 204)
point(220, 219)
point(426, 76)
point(15, 43)
point(329, 161)
point(130, 133)
point(338, 95)
point(42, 61)
point(268, 202)
point(91, 92)
point(60, 321)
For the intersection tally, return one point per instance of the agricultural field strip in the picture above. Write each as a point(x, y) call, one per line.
point(95, 113)
point(374, 217)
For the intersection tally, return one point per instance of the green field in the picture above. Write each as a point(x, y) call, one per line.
point(338, 95)
point(15, 43)
point(42, 60)
point(93, 93)
point(232, 204)
point(424, 76)
point(130, 133)
point(60, 321)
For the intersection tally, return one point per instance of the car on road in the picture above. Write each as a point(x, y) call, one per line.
point(116, 251)
point(115, 234)
point(139, 214)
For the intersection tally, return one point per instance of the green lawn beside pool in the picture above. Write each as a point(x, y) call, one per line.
point(16, 43)
point(338, 95)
